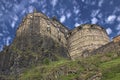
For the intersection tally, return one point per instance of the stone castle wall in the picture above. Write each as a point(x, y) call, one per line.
point(86, 38)
point(116, 39)
point(38, 23)
point(111, 47)
point(37, 38)
point(83, 38)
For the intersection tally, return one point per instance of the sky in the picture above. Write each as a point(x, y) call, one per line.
point(71, 13)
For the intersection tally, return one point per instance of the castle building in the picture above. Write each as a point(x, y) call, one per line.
point(84, 38)
point(40, 39)
point(116, 39)
point(37, 39)
point(39, 24)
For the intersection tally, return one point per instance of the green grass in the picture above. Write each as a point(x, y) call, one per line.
point(85, 68)
point(110, 64)
point(69, 77)
point(112, 73)
point(35, 72)
point(111, 69)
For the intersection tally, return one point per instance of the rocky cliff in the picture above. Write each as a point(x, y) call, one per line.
point(97, 67)
point(34, 43)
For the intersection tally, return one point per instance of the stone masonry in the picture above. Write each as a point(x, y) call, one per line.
point(47, 36)
point(116, 39)
point(84, 38)
point(38, 23)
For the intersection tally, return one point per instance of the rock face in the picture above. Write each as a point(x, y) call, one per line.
point(38, 40)
point(86, 38)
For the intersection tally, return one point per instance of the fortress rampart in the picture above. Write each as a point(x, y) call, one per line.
point(39, 24)
point(86, 37)
point(35, 27)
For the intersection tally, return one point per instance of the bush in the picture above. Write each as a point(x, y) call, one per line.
point(46, 61)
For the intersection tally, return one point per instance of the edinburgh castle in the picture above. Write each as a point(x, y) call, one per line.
point(76, 41)
point(39, 38)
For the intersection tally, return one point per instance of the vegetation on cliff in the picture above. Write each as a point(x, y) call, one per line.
point(97, 67)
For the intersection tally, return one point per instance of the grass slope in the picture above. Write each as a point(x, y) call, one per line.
point(105, 65)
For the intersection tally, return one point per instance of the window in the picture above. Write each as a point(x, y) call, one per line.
point(48, 28)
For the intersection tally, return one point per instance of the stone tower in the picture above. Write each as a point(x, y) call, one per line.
point(38, 38)
point(86, 38)
point(39, 24)
point(35, 27)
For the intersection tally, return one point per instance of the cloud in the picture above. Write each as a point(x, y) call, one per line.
point(30, 9)
point(1, 47)
point(33, 1)
point(93, 2)
point(44, 10)
point(62, 19)
point(94, 20)
point(13, 24)
point(109, 31)
point(118, 18)
point(68, 15)
point(95, 13)
point(76, 10)
point(8, 39)
point(90, 2)
point(76, 19)
point(61, 12)
point(1, 14)
point(118, 27)
point(77, 24)
point(118, 33)
point(15, 17)
point(83, 0)
point(2, 7)
point(1, 34)
point(54, 2)
point(100, 15)
point(110, 19)
point(23, 12)
point(116, 9)
point(4, 28)
point(100, 3)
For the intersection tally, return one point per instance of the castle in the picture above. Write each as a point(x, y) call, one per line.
point(39, 39)
point(85, 37)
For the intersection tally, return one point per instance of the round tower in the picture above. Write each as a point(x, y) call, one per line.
point(86, 38)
